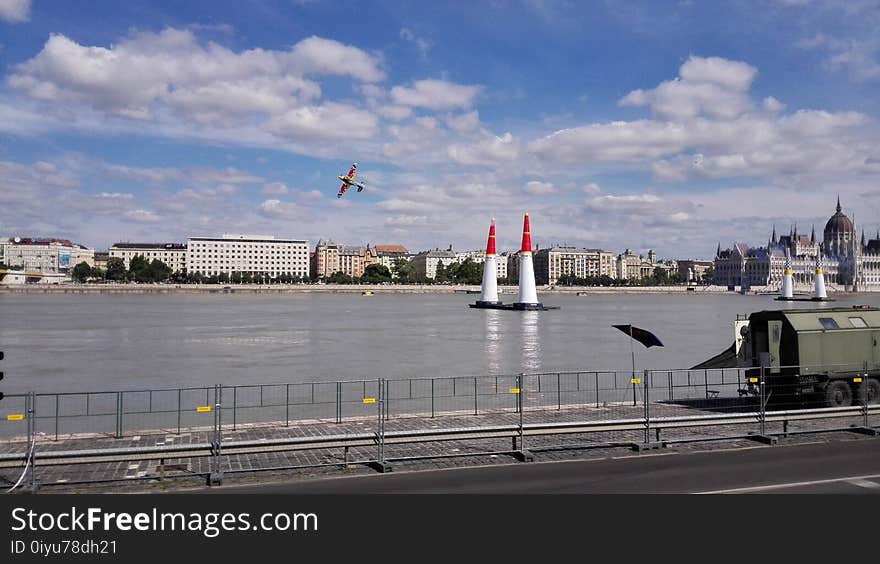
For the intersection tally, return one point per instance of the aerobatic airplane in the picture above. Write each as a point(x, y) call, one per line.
point(349, 181)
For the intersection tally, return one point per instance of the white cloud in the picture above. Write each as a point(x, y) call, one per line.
point(771, 104)
point(276, 209)
point(539, 188)
point(326, 56)
point(591, 188)
point(712, 86)
point(464, 123)
point(491, 150)
point(173, 80)
point(275, 189)
point(15, 11)
point(142, 216)
point(435, 95)
point(423, 45)
point(329, 121)
point(859, 56)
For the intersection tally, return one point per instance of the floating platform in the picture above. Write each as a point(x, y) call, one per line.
point(803, 299)
point(517, 307)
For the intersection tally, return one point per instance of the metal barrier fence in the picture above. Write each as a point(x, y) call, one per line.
point(505, 414)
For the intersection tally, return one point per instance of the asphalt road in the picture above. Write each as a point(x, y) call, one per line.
point(851, 466)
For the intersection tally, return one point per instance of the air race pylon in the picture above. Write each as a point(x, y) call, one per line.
point(819, 288)
point(787, 285)
point(528, 295)
point(489, 294)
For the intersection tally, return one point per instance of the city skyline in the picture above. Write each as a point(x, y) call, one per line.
point(670, 127)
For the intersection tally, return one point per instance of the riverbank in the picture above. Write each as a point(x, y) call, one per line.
point(335, 289)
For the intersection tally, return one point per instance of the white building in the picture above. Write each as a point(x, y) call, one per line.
point(44, 255)
point(172, 254)
point(425, 263)
point(252, 254)
point(553, 262)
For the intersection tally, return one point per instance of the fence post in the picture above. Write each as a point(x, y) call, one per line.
point(119, 406)
point(380, 464)
point(558, 392)
point(671, 393)
point(763, 405)
point(339, 402)
point(706, 382)
point(647, 410)
point(475, 395)
point(32, 439)
point(864, 387)
point(597, 389)
point(523, 455)
point(234, 407)
point(287, 406)
point(57, 401)
point(432, 397)
point(178, 410)
point(215, 476)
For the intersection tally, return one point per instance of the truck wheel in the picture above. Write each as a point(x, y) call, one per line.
point(838, 394)
point(872, 386)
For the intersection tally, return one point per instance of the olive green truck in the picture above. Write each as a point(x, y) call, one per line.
point(829, 354)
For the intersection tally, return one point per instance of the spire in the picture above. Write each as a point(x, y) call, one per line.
point(838, 204)
point(490, 244)
point(813, 235)
point(527, 235)
point(773, 237)
point(718, 251)
point(863, 237)
point(795, 230)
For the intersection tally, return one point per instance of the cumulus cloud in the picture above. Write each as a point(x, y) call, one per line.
point(464, 123)
point(712, 86)
point(539, 188)
point(275, 189)
point(329, 121)
point(142, 216)
point(491, 150)
point(858, 56)
point(276, 209)
point(15, 11)
point(170, 75)
point(435, 95)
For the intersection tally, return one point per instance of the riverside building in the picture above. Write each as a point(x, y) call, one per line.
point(48, 256)
point(173, 255)
point(251, 254)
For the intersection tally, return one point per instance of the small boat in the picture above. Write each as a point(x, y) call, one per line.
point(367, 293)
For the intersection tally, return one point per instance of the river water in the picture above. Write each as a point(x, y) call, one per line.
point(70, 343)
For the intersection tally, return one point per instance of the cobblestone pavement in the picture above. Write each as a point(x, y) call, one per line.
point(183, 473)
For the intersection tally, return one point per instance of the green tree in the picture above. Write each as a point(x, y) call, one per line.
point(709, 276)
point(81, 272)
point(404, 271)
point(340, 278)
point(223, 278)
point(440, 275)
point(115, 269)
point(158, 271)
point(469, 272)
point(376, 274)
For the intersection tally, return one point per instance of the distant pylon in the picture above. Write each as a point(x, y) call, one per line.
point(489, 294)
point(819, 290)
point(787, 289)
point(528, 294)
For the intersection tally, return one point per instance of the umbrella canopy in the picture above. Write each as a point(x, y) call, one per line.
point(641, 335)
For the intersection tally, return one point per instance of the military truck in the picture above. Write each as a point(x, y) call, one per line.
point(813, 353)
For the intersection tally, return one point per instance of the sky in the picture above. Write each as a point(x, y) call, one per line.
point(672, 126)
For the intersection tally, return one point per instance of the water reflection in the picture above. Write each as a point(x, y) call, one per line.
point(530, 342)
point(493, 341)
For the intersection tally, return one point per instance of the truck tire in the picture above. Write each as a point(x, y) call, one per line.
point(838, 394)
point(872, 387)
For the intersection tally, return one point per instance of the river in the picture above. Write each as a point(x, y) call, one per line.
point(70, 343)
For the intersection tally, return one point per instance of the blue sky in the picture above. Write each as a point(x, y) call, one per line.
point(639, 125)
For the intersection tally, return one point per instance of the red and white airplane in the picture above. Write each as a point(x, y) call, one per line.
point(348, 181)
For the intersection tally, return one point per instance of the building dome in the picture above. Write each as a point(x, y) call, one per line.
point(839, 233)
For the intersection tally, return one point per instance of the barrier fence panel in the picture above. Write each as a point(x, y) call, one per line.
point(13, 415)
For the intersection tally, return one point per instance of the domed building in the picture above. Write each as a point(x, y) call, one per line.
point(839, 236)
point(849, 263)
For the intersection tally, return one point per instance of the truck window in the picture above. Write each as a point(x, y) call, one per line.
point(828, 323)
point(857, 322)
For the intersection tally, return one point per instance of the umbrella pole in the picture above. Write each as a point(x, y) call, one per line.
point(633, 355)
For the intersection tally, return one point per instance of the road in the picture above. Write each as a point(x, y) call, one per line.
point(851, 466)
